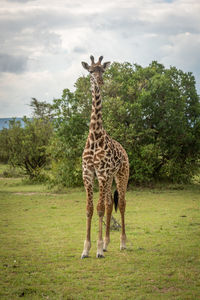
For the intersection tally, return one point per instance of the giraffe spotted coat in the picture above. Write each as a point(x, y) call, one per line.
point(106, 159)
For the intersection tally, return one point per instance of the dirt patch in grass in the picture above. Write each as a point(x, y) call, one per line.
point(166, 289)
point(35, 193)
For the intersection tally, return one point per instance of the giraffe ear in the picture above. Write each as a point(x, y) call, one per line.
point(85, 65)
point(106, 65)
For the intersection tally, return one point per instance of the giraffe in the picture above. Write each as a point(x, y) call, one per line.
point(107, 159)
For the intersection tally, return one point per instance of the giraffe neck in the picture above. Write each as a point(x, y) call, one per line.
point(96, 115)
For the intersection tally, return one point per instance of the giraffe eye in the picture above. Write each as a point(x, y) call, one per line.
point(91, 71)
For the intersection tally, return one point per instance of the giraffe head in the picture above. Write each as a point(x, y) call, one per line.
point(96, 69)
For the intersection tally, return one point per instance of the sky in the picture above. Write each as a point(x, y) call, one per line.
point(42, 42)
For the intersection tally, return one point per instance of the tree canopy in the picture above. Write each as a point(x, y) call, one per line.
point(154, 112)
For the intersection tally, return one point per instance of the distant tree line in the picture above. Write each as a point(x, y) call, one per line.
point(153, 112)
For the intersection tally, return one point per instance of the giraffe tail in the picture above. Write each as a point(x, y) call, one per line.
point(116, 200)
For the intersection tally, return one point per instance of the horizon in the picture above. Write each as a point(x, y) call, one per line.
point(4, 122)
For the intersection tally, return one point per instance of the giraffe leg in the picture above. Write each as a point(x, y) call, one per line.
point(109, 208)
point(89, 209)
point(101, 211)
point(100, 240)
point(122, 207)
point(121, 180)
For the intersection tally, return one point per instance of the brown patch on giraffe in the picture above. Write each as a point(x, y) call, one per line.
point(97, 135)
point(97, 97)
point(92, 146)
point(91, 136)
point(101, 143)
point(98, 102)
point(99, 115)
point(97, 110)
point(108, 153)
point(107, 166)
point(88, 152)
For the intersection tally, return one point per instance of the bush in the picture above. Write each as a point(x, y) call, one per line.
point(26, 147)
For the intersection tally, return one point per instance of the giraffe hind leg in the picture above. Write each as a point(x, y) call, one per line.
point(103, 194)
point(109, 208)
point(121, 179)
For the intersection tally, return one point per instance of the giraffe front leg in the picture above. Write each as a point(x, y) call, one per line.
point(87, 243)
point(89, 209)
point(101, 211)
point(100, 239)
point(109, 208)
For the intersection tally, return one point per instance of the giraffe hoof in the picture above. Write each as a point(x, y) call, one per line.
point(84, 256)
point(123, 248)
point(105, 250)
point(100, 256)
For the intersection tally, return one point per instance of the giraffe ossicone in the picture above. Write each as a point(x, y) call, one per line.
point(106, 159)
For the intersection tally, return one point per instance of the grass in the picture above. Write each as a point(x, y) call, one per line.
point(42, 238)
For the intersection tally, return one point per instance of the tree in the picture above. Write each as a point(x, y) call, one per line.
point(4, 157)
point(153, 112)
point(71, 124)
point(159, 113)
point(27, 146)
point(42, 110)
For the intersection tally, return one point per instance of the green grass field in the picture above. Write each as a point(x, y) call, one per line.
point(42, 237)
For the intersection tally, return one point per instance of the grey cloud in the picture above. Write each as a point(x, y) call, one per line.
point(12, 64)
point(79, 50)
point(20, 1)
point(129, 22)
point(26, 31)
point(173, 25)
point(39, 18)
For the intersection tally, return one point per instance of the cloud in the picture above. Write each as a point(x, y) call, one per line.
point(20, 1)
point(13, 64)
point(183, 50)
point(181, 47)
point(79, 50)
point(43, 42)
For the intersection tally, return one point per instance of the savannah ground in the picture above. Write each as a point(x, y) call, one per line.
point(42, 235)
